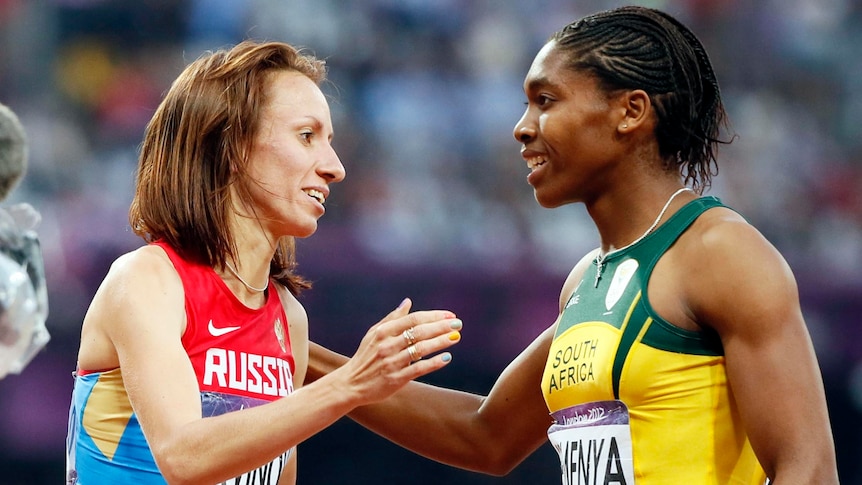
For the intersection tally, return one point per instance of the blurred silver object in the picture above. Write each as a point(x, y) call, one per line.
point(23, 294)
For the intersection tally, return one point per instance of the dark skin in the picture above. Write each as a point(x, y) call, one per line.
point(586, 145)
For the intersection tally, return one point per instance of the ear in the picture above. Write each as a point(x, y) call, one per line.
point(635, 107)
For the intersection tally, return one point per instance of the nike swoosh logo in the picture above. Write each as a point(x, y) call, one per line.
point(218, 332)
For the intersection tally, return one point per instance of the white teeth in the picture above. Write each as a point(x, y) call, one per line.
point(534, 162)
point(318, 195)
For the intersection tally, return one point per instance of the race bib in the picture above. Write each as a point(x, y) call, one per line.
point(594, 443)
point(265, 475)
point(215, 404)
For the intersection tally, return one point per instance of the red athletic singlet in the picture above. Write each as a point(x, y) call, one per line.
point(241, 357)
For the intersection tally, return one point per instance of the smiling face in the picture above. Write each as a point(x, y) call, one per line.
point(568, 131)
point(292, 161)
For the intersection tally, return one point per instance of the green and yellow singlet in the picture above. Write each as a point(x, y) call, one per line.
point(636, 399)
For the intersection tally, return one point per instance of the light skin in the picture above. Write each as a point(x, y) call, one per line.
point(585, 145)
point(137, 318)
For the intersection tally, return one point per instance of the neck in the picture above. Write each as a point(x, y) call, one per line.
point(244, 282)
point(654, 212)
point(249, 265)
point(600, 258)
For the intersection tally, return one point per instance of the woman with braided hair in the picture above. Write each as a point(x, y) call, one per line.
point(680, 354)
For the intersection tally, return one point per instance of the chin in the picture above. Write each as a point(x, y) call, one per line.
point(306, 233)
point(300, 231)
point(548, 204)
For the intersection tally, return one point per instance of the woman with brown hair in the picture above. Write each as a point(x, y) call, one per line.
point(194, 350)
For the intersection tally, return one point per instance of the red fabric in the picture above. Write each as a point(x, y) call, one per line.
point(234, 349)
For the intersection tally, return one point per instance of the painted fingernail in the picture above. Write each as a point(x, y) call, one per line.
point(446, 357)
point(455, 336)
point(456, 324)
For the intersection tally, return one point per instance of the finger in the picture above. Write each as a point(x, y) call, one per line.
point(413, 353)
point(397, 326)
point(427, 366)
point(401, 310)
point(426, 331)
point(424, 348)
point(393, 337)
point(409, 336)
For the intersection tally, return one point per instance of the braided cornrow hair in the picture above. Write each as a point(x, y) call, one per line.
point(642, 48)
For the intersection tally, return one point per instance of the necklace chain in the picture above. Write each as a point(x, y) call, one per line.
point(252, 288)
point(600, 258)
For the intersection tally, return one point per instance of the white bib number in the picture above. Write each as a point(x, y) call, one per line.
point(594, 443)
point(265, 475)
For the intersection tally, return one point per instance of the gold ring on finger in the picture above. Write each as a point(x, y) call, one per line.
point(414, 353)
point(408, 336)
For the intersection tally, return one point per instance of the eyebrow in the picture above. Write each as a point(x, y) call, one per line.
point(538, 82)
point(306, 120)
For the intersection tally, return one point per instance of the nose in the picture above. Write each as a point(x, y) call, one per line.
point(332, 169)
point(524, 130)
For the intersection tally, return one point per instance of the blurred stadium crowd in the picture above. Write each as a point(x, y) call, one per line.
point(424, 96)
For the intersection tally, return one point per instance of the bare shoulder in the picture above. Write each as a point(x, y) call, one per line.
point(722, 241)
point(296, 315)
point(733, 274)
point(716, 223)
point(142, 275)
point(297, 327)
point(140, 290)
point(148, 259)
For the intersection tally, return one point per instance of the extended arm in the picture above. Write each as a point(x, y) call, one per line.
point(489, 434)
point(297, 321)
point(485, 434)
point(140, 311)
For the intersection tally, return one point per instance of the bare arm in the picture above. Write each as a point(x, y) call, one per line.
point(485, 434)
point(140, 309)
point(297, 321)
point(747, 292)
point(490, 434)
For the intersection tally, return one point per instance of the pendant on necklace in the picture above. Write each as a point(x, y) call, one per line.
point(600, 260)
point(600, 266)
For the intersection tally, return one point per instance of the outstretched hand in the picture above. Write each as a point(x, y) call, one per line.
point(399, 348)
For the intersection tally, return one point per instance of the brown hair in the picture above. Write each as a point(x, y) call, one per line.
point(197, 145)
point(642, 48)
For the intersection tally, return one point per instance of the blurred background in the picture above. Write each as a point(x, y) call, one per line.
point(436, 206)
